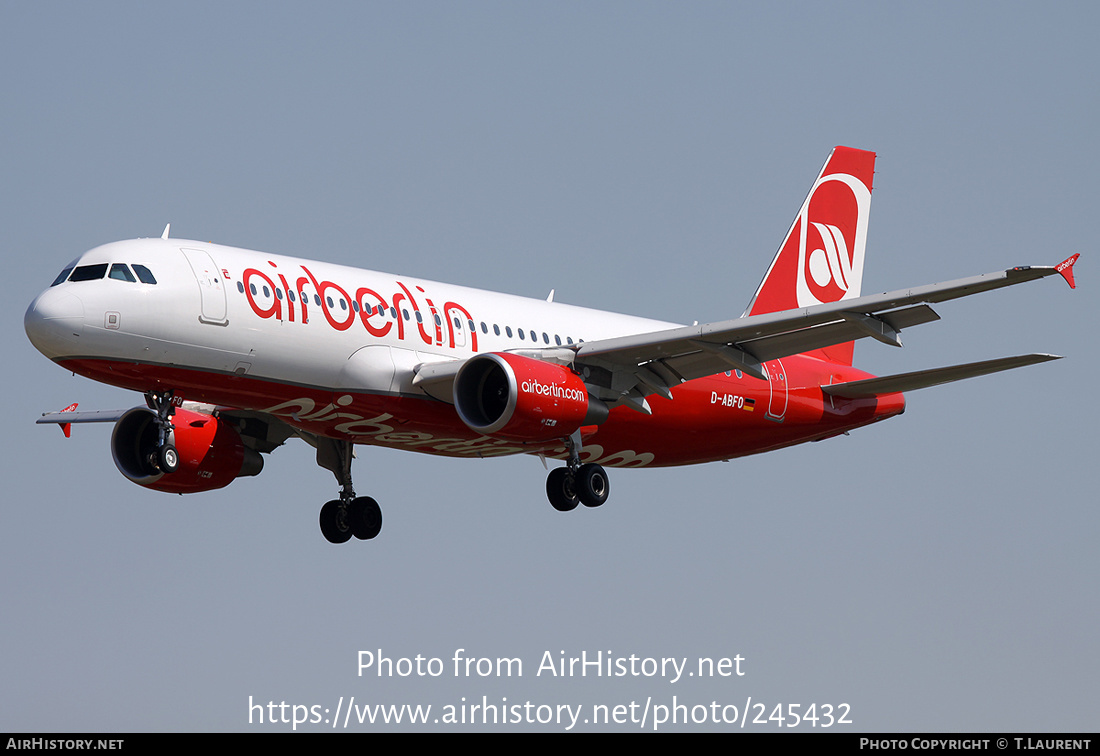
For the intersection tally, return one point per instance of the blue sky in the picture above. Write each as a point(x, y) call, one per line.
point(936, 572)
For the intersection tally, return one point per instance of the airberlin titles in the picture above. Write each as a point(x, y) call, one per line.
point(368, 306)
point(553, 390)
point(552, 400)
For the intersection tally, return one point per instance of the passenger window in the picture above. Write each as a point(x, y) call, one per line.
point(508, 330)
point(520, 332)
point(89, 272)
point(144, 274)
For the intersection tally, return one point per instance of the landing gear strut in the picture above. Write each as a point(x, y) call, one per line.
point(576, 483)
point(163, 457)
point(350, 515)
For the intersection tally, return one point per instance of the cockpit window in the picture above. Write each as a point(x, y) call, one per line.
point(62, 276)
point(89, 272)
point(120, 272)
point(144, 274)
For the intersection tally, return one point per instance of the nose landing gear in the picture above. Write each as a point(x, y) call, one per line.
point(163, 457)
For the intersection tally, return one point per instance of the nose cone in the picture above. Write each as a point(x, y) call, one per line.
point(54, 322)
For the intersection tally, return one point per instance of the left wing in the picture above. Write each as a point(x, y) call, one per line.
point(627, 369)
point(653, 363)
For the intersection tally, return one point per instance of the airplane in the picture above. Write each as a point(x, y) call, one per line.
point(238, 351)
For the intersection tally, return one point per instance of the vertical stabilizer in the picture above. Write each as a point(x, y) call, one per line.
point(821, 259)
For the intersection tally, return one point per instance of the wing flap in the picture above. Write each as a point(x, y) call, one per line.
point(892, 384)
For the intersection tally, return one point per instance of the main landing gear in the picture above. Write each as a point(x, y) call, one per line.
point(162, 457)
point(350, 515)
point(576, 483)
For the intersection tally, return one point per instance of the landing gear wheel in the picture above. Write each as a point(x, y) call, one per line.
point(168, 459)
point(365, 517)
point(592, 485)
point(560, 490)
point(335, 525)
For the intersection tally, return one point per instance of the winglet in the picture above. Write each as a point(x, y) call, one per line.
point(66, 428)
point(1066, 269)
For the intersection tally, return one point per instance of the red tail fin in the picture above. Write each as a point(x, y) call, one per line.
point(821, 259)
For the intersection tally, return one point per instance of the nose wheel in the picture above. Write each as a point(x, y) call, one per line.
point(163, 457)
point(168, 459)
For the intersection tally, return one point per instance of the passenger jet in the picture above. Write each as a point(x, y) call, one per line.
point(237, 351)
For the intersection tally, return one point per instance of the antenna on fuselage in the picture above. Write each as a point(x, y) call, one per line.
point(550, 298)
point(166, 227)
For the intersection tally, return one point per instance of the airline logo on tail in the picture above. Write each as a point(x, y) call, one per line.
point(830, 254)
point(821, 259)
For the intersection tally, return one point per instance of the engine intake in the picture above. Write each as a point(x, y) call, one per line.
point(211, 453)
point(522, 399)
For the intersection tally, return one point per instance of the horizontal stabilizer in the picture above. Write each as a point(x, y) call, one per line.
point(891, 384)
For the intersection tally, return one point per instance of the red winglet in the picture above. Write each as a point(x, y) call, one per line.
point(66, 428)
point(1066, 269)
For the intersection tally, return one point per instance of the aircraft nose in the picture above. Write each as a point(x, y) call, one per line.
point(53, 321)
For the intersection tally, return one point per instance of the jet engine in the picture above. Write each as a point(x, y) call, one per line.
point(211, 453)
point(523, 399)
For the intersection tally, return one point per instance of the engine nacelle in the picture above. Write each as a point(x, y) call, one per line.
point(211, 453)
point(522, 399)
